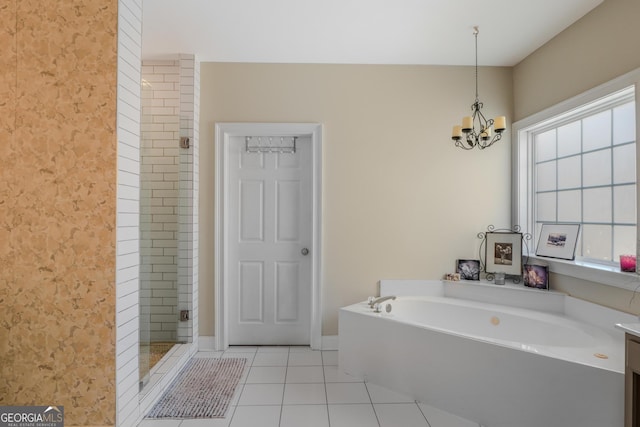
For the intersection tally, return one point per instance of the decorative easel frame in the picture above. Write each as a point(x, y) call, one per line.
point(503, 252)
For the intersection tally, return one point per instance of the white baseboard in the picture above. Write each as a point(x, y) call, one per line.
point(329, 342)
point(208, 343)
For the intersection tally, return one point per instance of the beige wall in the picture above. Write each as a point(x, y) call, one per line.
point(599, 47)
point(399, 200)
point(58, 206)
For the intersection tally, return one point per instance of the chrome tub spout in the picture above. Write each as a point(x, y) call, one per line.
point(381, 300)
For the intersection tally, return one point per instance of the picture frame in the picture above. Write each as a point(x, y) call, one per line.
point(469, 269)
point(503, 253)
point(536, 276)
point(558, 241)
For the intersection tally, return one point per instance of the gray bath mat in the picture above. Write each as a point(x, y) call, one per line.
point(203, 389)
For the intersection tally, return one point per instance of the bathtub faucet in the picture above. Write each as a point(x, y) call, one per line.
point(381, 300)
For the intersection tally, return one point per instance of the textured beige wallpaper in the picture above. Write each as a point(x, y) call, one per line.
point(57, 206)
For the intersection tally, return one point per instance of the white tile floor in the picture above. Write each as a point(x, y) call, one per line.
point(299, 387)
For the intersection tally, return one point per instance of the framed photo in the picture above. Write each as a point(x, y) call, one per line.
point(558, 241)
point(469, 269)
point(503, 253)
point(536, 276)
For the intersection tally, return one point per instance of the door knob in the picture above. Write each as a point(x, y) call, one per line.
point(304, 251)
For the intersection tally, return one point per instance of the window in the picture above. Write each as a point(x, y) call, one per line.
point(585, 172)
point(579, 166)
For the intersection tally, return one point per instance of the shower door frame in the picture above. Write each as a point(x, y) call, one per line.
point(223, 131)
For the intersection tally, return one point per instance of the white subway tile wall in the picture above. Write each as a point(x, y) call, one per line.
point(195, 168)
point(189, 88)
point(160, 99)
point(170, 106)
point(128, 202)
point(157, 208)
point(175, 237)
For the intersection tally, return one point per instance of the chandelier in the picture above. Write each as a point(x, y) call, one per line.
point(476, 128)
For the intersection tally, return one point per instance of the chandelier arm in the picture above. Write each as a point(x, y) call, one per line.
point(482, 120)
point(472, 139)
point(495, 139)
point(463, 146)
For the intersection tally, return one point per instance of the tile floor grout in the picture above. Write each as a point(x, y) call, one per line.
point(344, 413)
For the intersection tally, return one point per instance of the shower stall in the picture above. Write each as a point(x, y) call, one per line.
point(166, 211)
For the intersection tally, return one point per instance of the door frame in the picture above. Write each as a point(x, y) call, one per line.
point(223, 132)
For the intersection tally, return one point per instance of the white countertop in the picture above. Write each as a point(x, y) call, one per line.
point(630, 328)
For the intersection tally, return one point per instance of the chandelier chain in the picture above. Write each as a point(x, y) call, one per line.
point(475, 33)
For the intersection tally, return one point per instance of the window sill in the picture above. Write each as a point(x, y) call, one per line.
point(598, 273)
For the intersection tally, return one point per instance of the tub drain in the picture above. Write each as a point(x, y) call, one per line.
point(601, 356)
point(495, 321)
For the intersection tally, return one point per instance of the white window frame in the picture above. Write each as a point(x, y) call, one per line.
point(522, 184)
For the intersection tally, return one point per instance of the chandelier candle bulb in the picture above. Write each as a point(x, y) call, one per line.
point(467, 123)
point(457, 132)
point(500, 123)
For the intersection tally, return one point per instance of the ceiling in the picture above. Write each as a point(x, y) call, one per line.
point(438, 32)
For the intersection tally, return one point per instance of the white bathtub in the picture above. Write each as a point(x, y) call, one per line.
point(561, 365)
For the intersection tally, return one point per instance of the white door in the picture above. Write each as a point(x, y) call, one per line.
point(270, 235)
